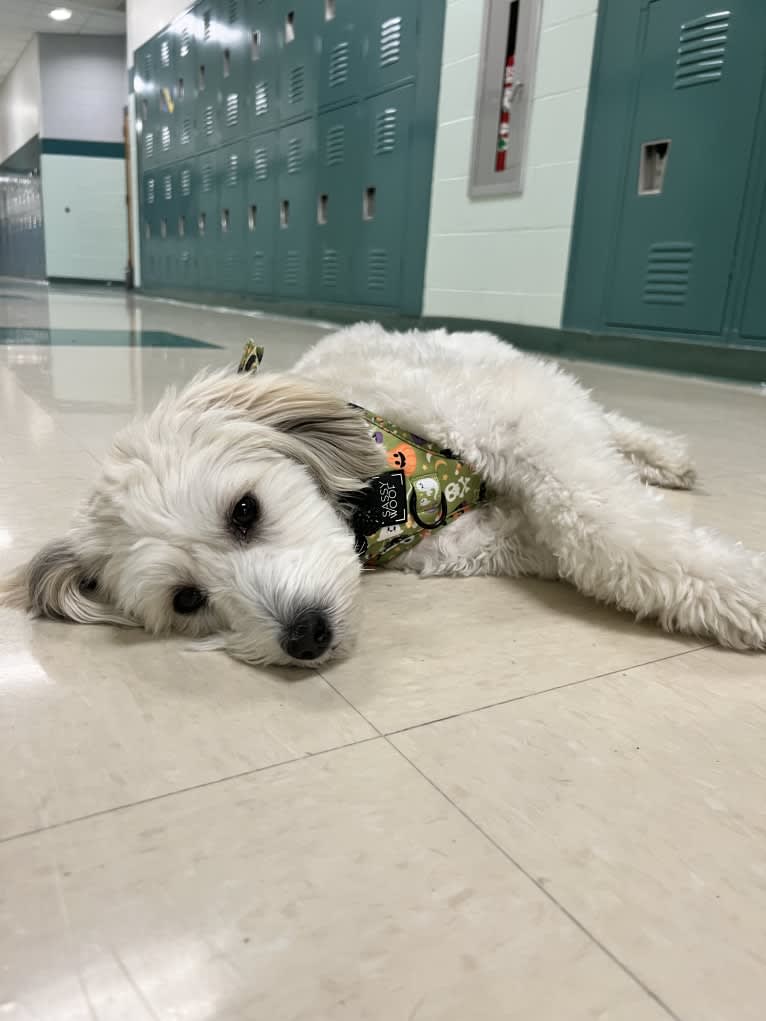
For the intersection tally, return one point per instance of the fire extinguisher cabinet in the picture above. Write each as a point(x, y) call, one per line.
point(504, 95)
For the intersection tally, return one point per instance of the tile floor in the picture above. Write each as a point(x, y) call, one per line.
point(510, 804)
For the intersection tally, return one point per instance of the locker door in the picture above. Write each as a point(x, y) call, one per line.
point(231, 222)
point(340, 64)
point(183, 84)
point(298, 26)
point(262, 78)
point(753, 322)
point(186, 227)
point(390, 49)
point(234, 57)
point(209, 75)
point(207, 221)
point(296, 195)
point(339, 187)
point(381, 199)
point(150, 227)
point(168, 224)
point(261, 211)
point(691, 142)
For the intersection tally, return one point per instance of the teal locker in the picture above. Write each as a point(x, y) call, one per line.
point(207, 211)
point(296, 209)
point(384, 162)
point(340, 64)
point(209, 75)
point(298, 27)
point(687, 165)
point(753, 322)
point(262, 101)
point(186, 226)
point(234, 55)
point(150, 228)
point(338, 204)
point(391, 42)
point(261, 212)
point(167, 186)
point(183, 84)
point(231, 223)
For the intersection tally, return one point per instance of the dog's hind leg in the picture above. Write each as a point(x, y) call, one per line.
point(660, 458)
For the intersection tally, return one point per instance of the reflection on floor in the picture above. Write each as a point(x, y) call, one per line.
point(510, 803)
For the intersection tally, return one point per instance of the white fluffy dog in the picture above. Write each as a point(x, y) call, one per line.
point(223, 514)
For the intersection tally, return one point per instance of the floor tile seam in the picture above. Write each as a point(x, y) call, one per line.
point(543, 691)
point(581, 926)
point(75, 820)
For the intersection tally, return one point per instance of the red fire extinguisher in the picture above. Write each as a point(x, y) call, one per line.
point(504, 127)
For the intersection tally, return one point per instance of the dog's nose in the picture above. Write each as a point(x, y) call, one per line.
point(308, 636)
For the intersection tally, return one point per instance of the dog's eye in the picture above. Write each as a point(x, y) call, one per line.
point(188, 600)
point(244, 515)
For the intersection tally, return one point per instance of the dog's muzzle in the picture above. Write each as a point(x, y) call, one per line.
point(308, 635)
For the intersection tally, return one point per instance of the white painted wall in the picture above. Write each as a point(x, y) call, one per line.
point(91, 240)
point(84, 86)
point(146, 17)
point(506, 258)
point(20, 102)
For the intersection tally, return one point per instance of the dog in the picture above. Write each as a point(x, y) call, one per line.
point(226, 513)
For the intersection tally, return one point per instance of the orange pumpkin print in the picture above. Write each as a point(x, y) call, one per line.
point(403, 457)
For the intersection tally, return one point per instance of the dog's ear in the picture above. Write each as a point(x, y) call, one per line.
point(328, 435)
point(56, 584)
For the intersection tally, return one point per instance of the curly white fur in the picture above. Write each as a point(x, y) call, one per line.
point(568, 478)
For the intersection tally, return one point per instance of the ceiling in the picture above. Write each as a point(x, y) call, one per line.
point(21, 19)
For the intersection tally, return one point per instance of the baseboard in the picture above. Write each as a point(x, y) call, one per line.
point(740, 363)
point(84, 282)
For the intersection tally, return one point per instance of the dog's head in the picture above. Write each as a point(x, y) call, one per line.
point(219, 516)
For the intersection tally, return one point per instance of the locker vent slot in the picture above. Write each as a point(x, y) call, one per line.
point(297, 86)
point(186, 131)
point(207, 177)
point(186, 182)
point(148, 145)
point(377, 267)
point(148, 67)
point(390, 41)
point(259, 268)
point(338, 73)
point(165, 138)
point(165, 53)
point(167, 187)
point(208, 120)
point(233, 12)
point(294, 156)
point(329, 268)
point(261, 164)
point(335, 145)
point(232, 170)
point(261, 99)
point(702, 50)
point(232, 110)
point(150, 190)
point(292, 268)
point(206, 26)
point(668, 271)
point(185, 43)
point(385, 131)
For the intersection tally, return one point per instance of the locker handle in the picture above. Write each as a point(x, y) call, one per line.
point(368, 204)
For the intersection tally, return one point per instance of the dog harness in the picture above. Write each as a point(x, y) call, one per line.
point(424, 489)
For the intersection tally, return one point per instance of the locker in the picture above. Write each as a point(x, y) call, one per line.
point(231, 223)
point(391, 39)
point(207, 212)
point(261, 212)
point(339, 187)
point(233, 59)
point(296, 209)
point(340, 63)
point(687, 165)
point(298, 26)
point(182, 84)
point(380, 201)
point(167, 245)
point(209, 75)
point(262, 101)
point(150, 224)
point(753, 323)
point(186, 226)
